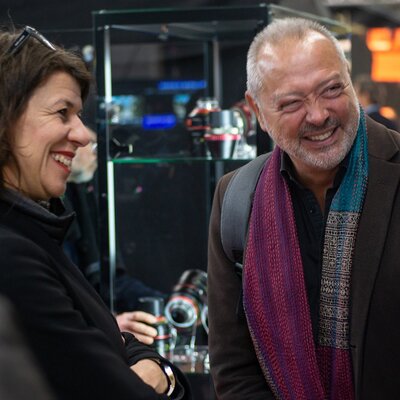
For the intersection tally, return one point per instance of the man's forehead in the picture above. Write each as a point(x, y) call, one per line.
point(291, 43)
point(314, 48)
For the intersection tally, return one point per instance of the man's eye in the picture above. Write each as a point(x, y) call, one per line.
point(290, 106)
point(333, 91)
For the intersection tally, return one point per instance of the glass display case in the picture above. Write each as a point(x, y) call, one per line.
point(171, 120)
point(162, 74)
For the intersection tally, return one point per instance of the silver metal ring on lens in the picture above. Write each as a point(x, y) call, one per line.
point(204, 318)
point(185, 308)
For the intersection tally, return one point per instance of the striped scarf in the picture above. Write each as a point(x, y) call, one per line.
point(274, 292)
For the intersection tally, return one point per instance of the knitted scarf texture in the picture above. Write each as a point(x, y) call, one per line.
point(274, 292)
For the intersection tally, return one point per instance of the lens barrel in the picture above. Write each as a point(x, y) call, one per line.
point(188, 298)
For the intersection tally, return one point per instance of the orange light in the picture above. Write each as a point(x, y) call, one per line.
point(379, 39)
point(396, 39)
point(385, 66)
point(388, 112)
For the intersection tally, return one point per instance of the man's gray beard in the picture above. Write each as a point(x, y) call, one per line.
point(324, 160)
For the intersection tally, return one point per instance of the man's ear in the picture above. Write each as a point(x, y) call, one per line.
point(254, 106)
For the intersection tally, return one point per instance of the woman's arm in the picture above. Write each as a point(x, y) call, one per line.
point(74, 339)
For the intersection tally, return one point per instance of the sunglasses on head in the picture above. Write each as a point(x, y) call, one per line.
point(24, 36)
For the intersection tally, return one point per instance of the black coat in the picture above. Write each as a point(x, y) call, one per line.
point(375, 291)
point(20, 377)
point(73, 336)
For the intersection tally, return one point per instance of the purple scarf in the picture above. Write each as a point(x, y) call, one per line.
point(274, 292)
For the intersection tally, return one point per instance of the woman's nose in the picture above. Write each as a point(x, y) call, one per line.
point(79, 133)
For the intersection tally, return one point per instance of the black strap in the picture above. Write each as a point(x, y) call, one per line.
point(236, 208)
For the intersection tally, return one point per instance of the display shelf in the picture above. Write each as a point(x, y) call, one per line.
point(202, 45)
point(172, 160)
point(201, 34)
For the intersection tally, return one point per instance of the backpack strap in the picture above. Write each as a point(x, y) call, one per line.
point(236, 207)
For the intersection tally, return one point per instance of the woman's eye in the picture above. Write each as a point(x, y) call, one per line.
point(63, 112)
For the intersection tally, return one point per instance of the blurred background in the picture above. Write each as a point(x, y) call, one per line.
point(69, 22)
point(162, 208)
point(157, 172)
point(162, 192)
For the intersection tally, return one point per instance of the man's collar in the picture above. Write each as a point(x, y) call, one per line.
point(288, 172)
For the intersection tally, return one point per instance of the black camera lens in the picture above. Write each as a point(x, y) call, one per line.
point(152, 305)
point(179, 315)
point(163, 340)
point(188, 298)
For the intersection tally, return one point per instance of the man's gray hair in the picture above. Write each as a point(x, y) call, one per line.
point(275, 34)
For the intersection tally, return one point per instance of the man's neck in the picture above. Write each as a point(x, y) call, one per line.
point(318, 181)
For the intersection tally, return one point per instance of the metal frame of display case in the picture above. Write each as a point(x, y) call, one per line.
point(209, 25)
point(200, 24)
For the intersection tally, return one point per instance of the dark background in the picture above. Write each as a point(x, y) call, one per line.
point(166, 220)
point(69, 22)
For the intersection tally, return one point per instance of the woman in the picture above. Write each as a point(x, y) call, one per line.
point(74, 338)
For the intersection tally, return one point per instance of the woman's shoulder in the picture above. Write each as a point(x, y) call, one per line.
point(11, 237)
point(11, 240)
point(18, 253)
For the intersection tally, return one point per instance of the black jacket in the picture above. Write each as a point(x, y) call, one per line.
point(73, 336)
point(375, 294)
point(20, 377)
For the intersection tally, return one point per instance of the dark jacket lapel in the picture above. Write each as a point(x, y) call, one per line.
point(384, 176)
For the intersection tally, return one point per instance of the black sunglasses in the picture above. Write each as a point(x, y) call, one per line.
point(26, 34)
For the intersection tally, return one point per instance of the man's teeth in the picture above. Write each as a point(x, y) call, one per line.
point(321, 137)
point(62, 159)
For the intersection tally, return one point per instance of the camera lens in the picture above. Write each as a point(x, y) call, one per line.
point(204, 318)
point(152, 305)
point(179, 315)
point(163, 340)
point(187, 299)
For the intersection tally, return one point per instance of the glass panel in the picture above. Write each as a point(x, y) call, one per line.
point(154, 87)
point(161, 219)
point(164, 167)
point(162, 211)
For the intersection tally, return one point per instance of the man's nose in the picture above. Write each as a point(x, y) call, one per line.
point(317, 113)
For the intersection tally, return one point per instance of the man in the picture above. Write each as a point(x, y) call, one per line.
point(315, 313)
point(81, 245)
point(369, 96)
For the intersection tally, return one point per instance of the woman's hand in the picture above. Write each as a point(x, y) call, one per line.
point(150, 372)
point(138, 323)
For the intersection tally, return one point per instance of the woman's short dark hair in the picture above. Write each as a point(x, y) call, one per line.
point(24, 71)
